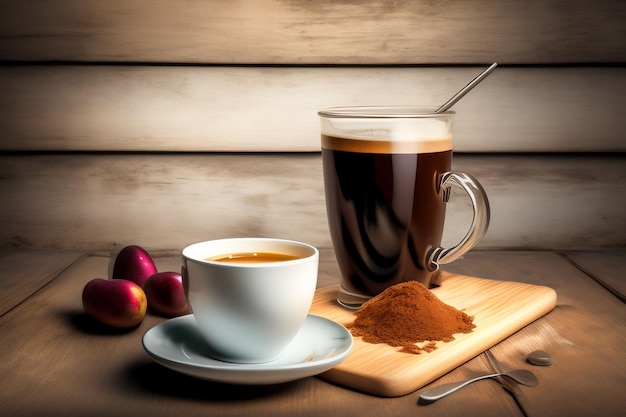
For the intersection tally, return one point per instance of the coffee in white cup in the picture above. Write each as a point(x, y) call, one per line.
point(249, 296)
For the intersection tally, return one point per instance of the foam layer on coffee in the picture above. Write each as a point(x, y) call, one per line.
point(427, 137)
point(386, 147)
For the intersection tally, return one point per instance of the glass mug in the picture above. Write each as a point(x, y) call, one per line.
point(387, 178)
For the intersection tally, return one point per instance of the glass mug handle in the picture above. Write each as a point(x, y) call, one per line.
point(439, 256)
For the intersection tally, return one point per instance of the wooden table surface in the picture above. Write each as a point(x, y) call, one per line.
point(54, 365)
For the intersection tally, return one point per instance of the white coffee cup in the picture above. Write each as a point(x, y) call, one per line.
point(249, 312)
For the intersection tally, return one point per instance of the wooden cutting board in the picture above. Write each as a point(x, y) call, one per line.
point(499, 308)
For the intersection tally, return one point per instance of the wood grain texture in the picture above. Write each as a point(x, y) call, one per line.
point(499, 309)
point(320, 32)
point(607, 267)
point(25, 272)
point(166, 201)
point(56, 363)
point(259, 109)
point(585, 379)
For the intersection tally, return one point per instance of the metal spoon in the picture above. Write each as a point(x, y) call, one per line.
point(520, 376)
point(445, 106)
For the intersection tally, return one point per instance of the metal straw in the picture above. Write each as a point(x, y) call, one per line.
point(466, 89)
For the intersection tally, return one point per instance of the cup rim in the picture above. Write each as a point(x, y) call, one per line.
point(314, 252)
point(385, 112)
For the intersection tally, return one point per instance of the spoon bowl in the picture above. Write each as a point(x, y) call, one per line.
point(521, 376)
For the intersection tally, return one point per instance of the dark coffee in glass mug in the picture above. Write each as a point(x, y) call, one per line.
point(387, 176)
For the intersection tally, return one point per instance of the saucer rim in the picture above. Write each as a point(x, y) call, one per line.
point(220, 366)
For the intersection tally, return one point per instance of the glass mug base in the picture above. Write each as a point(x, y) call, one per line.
point(351, 300)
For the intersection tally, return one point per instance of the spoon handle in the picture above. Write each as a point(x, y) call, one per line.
point(436, 393)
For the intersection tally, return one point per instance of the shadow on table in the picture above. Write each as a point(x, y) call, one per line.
point(160, 380)
point(87, 324)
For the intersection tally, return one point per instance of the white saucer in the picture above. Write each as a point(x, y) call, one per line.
point(320, 345)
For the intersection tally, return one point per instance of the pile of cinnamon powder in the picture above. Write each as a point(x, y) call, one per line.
point(406, 314)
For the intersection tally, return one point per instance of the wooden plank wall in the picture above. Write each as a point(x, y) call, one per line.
point(162, 123)
point(332, 32)
point(274, 109)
